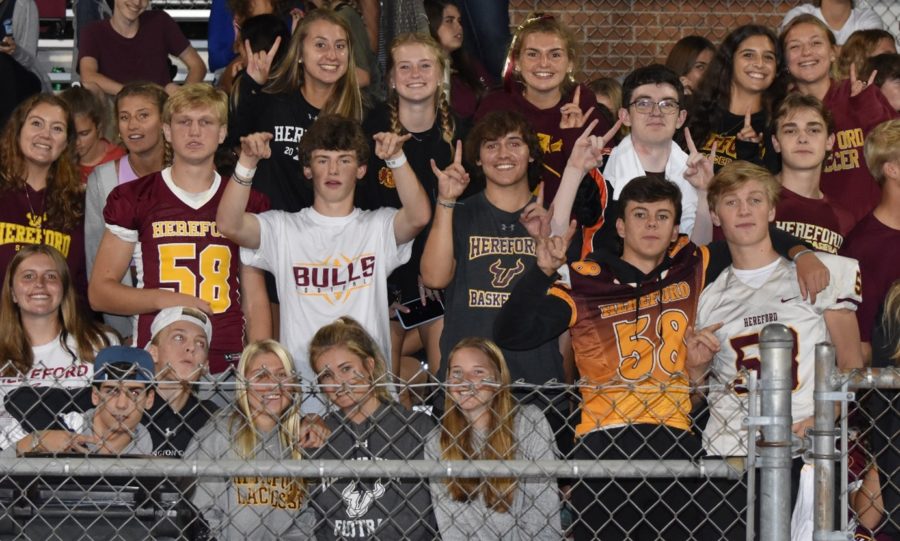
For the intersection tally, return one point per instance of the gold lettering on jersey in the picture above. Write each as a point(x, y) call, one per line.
point(275, 492)
point(670, 293)
point(547, 144)
point(726, 146)
point(752, 321)
point(479, 298)
point(335, 279)
point(185, 228)
point(488, 246)
point(11, 233)
point(821, 238)
point(846, 156)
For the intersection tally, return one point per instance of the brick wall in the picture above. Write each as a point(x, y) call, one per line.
point(619, 35)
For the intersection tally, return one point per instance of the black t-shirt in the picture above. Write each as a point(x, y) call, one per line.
point(378, 189)
point(286, 117)
point(171, 431)
point(492, 251)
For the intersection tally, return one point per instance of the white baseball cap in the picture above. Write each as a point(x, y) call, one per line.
point(170, 315)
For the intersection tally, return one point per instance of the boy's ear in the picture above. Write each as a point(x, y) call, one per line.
point(715, 218)
point(307, 172)
point(167, 133)
point(148, 400)
point(360, 171)
point(95, 396)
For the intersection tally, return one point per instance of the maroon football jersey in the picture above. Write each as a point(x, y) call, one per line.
point(179, 248)
point(819, 222)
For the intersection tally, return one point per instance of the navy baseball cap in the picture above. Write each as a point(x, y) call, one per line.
point(141, 361)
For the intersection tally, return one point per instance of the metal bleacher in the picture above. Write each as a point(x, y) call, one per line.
point(56, 48)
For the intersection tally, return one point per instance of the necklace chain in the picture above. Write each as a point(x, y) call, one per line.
point(35, 220)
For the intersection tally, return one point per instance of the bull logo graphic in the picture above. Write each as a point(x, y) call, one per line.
point(34, 220)
point(358, 502)
point(503, 276)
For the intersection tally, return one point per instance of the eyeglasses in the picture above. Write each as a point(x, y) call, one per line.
point(666, 106)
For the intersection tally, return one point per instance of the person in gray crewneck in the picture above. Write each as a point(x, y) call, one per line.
point(482, 421)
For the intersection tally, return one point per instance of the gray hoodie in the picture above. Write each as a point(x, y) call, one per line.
point(259, 508)
point(385, 508)
point(534, 514)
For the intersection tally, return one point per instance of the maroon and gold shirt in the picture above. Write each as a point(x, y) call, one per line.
point(820, 222)
point(179, 248)
point(629, 341)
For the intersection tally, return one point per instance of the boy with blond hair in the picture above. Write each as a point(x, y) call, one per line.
point(875, 241)
point(167, 221)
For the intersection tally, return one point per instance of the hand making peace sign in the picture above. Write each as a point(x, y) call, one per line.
point(572, 115)
point(587, 152)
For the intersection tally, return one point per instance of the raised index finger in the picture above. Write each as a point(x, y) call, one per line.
point(692, 148)
point(540, 195)
point(457, 159)
point(852, 72)
point(577, 95)
point(747, 123)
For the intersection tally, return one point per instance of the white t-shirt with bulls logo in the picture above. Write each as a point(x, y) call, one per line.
point(327, 267)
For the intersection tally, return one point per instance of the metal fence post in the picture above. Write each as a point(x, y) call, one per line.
point(776, 345)
point(823, 443)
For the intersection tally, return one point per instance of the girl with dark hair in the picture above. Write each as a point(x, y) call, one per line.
point(689, 58)
point(734, 102)
point(45, 340)
point(540, 84)
point(482, 422)
point(856, 105)
point(366, 424)
point(41, 195)
point(468, 79)
point(90, 120)
point(138, 111)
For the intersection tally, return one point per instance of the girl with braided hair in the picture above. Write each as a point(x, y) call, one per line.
point(416, 106)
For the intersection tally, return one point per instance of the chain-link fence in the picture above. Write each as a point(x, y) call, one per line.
point(472, 459)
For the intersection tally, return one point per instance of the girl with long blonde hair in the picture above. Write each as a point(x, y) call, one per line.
point(264, 423)
point(483, 422)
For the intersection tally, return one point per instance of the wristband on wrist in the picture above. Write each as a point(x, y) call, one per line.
point(394, 163)
point(447, 204)
point(243, 181)
point(801, 252)
point(244, 172)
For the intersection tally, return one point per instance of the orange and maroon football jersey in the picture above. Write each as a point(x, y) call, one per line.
point(629, 341)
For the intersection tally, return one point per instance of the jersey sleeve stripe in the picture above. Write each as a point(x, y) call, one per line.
point(127, 235)
point(564, 296)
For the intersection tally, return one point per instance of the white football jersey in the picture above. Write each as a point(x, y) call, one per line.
point(745, 310)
